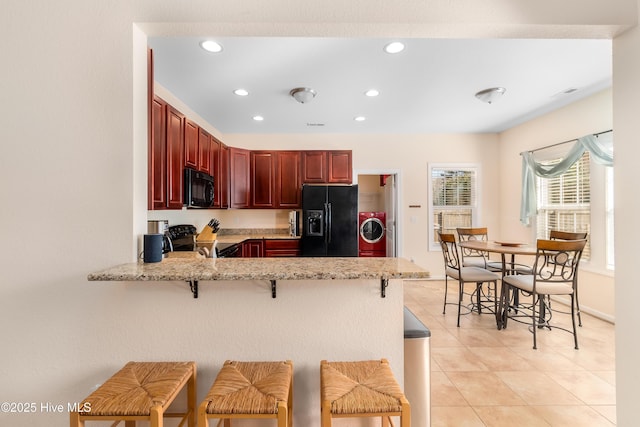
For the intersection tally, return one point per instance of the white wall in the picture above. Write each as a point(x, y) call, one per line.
point(626, 104)
point(73, 194)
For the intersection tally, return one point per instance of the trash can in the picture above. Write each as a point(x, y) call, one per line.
point(417, 369)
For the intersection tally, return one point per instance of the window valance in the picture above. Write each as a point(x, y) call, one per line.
point(600, 146)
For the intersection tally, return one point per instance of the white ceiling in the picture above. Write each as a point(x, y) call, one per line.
point(427, 88)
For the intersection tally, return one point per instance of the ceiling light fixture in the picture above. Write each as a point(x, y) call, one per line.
point(241, 92)
point(360, 118)
point(490, 95)
point(258, 118)
point(303, 94)
point(372, 92)
point(394, 47)
point(211, 46)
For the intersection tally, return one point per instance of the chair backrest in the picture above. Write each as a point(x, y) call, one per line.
point(449, 251)
point(566, 235)
point(477, 233)
point(557, 260)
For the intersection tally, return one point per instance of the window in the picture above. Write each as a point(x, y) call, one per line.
point(564, 202)
point(453, 199)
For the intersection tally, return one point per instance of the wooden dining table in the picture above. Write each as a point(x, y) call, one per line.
point(509, 265)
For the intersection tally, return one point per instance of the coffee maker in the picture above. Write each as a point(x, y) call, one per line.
point(161, 226)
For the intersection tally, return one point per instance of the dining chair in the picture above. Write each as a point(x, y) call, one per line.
point(456, 270)
point(554, 273)
point(568, 235)
point(474, 257)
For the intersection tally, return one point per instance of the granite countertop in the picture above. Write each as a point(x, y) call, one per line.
point(192, 266)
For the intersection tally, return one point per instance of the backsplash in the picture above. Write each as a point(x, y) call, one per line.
point(230, 219)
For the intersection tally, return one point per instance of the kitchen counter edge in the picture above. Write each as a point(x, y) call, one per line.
point(304, 268)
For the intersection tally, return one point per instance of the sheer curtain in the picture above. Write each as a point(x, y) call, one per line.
point(600, 147)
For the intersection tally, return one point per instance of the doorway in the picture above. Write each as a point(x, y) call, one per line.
point(377, 192)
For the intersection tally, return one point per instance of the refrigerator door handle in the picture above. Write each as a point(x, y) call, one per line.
point(328, 215)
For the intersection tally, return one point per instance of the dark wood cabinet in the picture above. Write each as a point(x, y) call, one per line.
point(340, 169)
point(205, 152)
point(223, 176)
point(282, 247)
point(263, 173)
point(327, 167)
point(288, 179)
point(252, 248)
point(157, 163)
point(314, 167)
point(191, 153)
point(175, 159)
point(240, 178)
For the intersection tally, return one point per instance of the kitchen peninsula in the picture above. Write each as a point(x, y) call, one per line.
point(302, 309)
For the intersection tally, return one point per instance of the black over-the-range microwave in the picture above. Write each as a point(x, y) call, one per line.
point(198, 189)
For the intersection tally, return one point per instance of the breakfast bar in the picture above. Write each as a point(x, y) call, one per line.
point(300, 309)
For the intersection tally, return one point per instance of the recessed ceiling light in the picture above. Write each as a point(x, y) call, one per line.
point(360, 118)
point(372, 92)
point(211, 46)
point(258, 118)
point(394, 47)
point(241, 92)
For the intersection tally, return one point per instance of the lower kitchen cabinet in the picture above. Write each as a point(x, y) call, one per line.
point(282, 247)
point(253, 248)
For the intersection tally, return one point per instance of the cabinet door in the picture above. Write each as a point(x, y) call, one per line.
point(191, 131)
point(205, 154)
point(340, 168)
point(157, 166)
point(175, 159)
point(263, 179)
point(314, 167)
point(288, 176)
point(240, 185)
point(224, 176)
point(252, 249)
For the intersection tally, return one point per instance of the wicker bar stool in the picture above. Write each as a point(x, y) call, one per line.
point(250, 390)
point(361, 389)
point(141, 391)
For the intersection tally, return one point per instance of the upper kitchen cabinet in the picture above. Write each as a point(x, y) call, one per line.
point(340, 169)
point(240, 176)
point(327, 167)
point(205, 152)
point(263, 173)
point(191, 152)
point(275, 179)
point(166, 142)
point(175, 159)
point(222, 176)
point(314, 167)
point(157, 166)
point(288, 179)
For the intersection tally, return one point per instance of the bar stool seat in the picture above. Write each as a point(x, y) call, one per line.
point(361, 389)
point(250, 390)
point(141, 391)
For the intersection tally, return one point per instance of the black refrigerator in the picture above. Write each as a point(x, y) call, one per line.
point(330, 220)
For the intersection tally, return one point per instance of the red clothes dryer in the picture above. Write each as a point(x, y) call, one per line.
point(372, 236)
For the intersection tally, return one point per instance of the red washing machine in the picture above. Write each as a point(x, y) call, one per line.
point(372, 236)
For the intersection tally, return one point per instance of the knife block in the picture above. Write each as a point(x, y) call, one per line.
point(206, 235)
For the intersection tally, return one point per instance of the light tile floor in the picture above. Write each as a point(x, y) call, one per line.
point(481, 376)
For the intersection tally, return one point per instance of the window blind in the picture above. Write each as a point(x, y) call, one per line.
point(453, 199)
point(564, 202)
